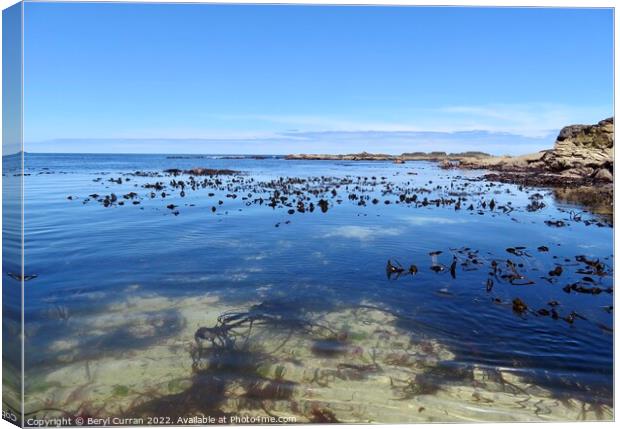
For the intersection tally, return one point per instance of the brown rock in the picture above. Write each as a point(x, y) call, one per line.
point(604, 175)
point(582, 146)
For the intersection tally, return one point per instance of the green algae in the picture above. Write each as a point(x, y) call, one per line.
point(120, 390)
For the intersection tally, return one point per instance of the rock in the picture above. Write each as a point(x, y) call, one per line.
point(210, 172)
point(604, 175)
point(201, 171)
point(363, 156)
point(501, 163)
point(579, 146)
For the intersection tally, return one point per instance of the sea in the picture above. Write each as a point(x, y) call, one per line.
point(328, 291)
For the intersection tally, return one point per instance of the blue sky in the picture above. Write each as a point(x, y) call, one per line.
point(280, 79)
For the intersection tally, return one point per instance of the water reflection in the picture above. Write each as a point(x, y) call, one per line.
point(596, 200)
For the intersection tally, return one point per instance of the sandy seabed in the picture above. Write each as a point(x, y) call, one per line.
point(368, 371)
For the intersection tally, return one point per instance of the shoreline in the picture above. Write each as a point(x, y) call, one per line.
point(367, 156)
point(582, 156)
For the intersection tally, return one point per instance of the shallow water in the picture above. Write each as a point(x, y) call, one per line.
point(121, 290)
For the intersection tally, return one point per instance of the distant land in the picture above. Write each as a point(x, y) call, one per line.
point(408, 156)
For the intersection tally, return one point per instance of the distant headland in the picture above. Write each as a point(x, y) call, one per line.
point(409, 156)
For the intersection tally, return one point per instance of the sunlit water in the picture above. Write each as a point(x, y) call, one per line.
point(121, 290)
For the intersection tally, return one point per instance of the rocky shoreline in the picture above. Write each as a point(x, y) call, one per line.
point(582, 156)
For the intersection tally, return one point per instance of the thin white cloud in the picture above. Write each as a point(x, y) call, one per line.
point(432, 220)
point(194, 134)
point(317, 122)
point(362, 233)
point(528, 120)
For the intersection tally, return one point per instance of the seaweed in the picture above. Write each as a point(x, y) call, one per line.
point(322, 415)
point(230, 360)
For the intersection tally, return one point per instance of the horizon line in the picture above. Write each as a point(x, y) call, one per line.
point(265, 154)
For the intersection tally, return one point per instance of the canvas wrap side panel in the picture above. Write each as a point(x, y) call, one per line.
point(12, 214)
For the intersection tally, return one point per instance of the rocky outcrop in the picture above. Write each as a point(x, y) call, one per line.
point(497, 163)
point(583, 150)
point(201, 172)
point(582, 155)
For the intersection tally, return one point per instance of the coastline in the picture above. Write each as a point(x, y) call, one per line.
point(412, 156)
point(582, 156)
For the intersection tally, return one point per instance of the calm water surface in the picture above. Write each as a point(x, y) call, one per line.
point(132, 283)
